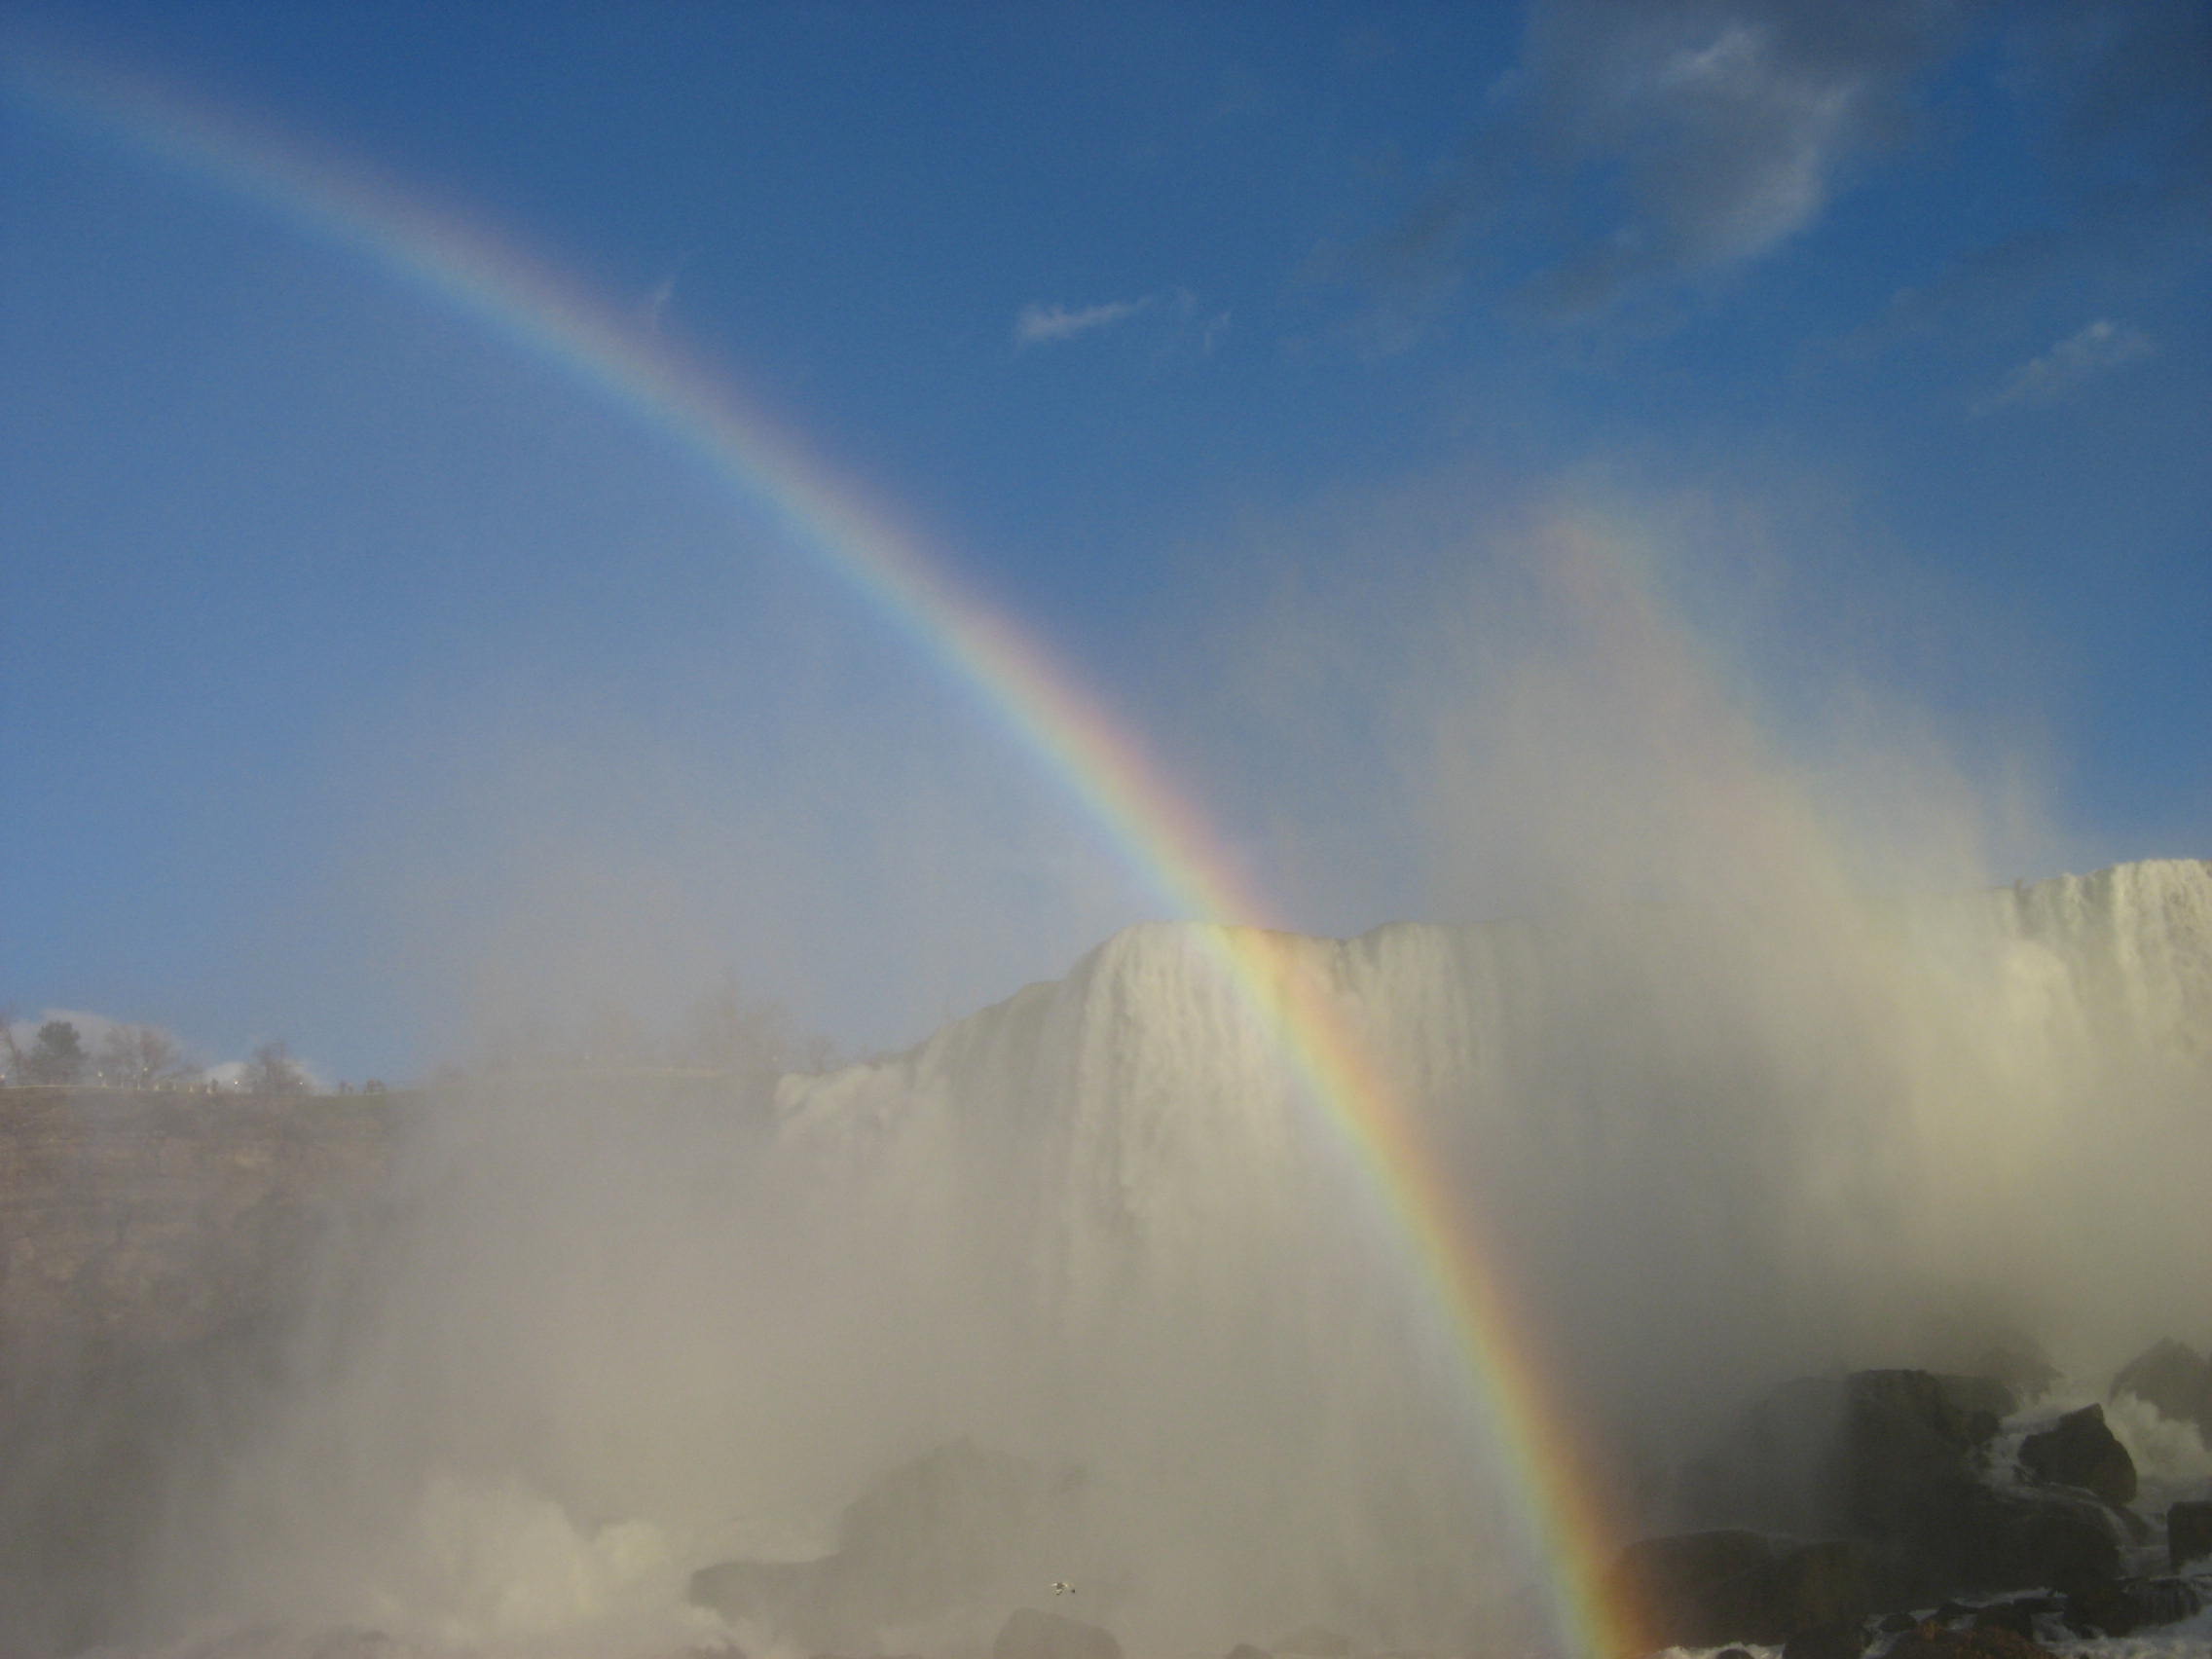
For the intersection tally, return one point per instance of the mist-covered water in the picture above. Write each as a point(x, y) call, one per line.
point(1122, 1303)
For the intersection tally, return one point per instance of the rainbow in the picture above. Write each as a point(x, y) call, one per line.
point(1161, 835)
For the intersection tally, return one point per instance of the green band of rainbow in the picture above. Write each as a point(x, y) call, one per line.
point(1161, 837)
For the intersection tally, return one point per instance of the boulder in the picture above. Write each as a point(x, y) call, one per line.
point(2015, 1359)
point(2013, 1540)
point(1911, 1440)
point(1828, 1641)
point(2189, 1533)
point(2017, 1616)
point(1695, 1590)
point(1932, 1642)
point(2080, 1449)
point(1867, 1454)
point(1699, 1588)
point(2172, 1378)
point(1029, 1634)
point(2130, 1605)
point(1897, 1463)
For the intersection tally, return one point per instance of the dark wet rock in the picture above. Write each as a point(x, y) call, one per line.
point(1819, 1586)
point(1028, 1634)
point(1911, 1440)
point(1699, 1588)
point(2016, 1539)
point(2016, 1360)
point(2189, 1533)
point(1733, 1653)
point(1695, 1589)
point(1898, 1460)
point(2174, 1379)
point(1896, 1624)
point(2081, 1450)
point(2128, 1606)
point(1864, 1454)
point(1932, 1642)
point(2017, 1616)
point(1314, 1641)
point(1826, 1641)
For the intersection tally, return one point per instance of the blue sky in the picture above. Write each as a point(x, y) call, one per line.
point(364, 676)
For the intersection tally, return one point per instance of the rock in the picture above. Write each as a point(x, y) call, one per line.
point(2081, 1451)
point(1868, 1455)
point(1931, 1641)
point(1828, 1641)
point(2189, 1533)
point(1028, 1634)
point(2126, 1606)
point(1733, 1653)
point(2015, 1359)
point(1699, 1588)
point(1694, 1590)
point(1909, 1438)
point(2017, 1616)
point(1314, 1641)
point(1819, 1586)
point(2173, 1378)
point(2013, 1540)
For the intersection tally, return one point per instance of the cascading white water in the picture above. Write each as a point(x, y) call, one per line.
point(1098, 1228)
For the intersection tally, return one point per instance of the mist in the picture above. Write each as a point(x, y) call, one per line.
point(1739, 1049)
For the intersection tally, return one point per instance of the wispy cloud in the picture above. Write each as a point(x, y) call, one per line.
point(1176, 324)
point(2098, 349)
point(1717, 130)
point(1734, 121)
point(1040, 325)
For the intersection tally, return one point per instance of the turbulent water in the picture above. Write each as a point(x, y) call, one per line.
point(1100, 1234)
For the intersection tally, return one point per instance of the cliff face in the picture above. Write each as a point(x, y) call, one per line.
point(151, 1247)
point(132, 1222)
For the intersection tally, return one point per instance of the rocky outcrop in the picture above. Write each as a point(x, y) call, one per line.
point(2172, 1378)
point(135, 1221)
point(152, 1248)
point(2081, 1451)
point(1984, 1642)
point(1701, 1589)
point(2189, 1533)
point(1899, 1464)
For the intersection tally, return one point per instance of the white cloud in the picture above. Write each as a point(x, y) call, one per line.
point(2102, 346)
point(1040, 325)
point(1732, 120)
point(1176, 324)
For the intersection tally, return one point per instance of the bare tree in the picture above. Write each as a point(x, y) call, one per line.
point(140, 1057)
point(272, 1071)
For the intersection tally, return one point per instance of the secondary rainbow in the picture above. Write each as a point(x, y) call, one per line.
point(1162, 839)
